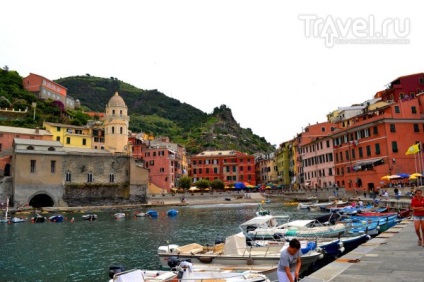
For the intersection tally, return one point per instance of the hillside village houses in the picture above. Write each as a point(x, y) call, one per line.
point(354, 148)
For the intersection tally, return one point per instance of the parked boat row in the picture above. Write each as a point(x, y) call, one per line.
point(258, 246)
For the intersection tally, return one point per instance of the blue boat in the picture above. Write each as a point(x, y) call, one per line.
point(350, 243)
point(172, 213)
point(56, 218)
point(152, 213)
point(331, 248)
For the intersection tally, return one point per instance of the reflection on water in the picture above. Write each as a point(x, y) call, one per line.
point(83, 250)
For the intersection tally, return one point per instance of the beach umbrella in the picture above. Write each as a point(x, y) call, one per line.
point(239, 185)
point(403, 175)
point(395, 176)
point(386, 177)
point(416, 175)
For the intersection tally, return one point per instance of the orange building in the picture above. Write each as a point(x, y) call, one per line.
point(228, 166)
point(7, 134)
point(47, 89)
point(373, 144)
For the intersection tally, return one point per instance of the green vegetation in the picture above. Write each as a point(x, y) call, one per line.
point(217, 184)
point(184, 182)
point(153, 112)
point(14, 96)
point(150, 111)
point(204, 183)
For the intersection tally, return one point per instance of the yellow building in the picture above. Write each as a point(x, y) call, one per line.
point(70, 135)
point(283, 163)
point(116, 122)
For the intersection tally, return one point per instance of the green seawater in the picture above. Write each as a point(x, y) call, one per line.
point(83, 250)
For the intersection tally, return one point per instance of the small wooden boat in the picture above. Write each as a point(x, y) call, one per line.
point(119, 215)
point(18, 219)
point(56, 218)
point(172, 213)
point(90, 217)
point(234, 251)
point(38, 218)
point(139, 214)
point(186, 272)
point(152, 213)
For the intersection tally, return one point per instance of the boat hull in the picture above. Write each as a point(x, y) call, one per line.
point(240, 260)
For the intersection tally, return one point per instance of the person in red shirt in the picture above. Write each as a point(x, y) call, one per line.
point(417, 206)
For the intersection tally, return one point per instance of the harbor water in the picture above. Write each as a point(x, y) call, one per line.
point(83, 250)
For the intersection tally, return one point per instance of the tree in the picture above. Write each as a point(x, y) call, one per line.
point(184, 182)
point(204, 183)
point(217, 184)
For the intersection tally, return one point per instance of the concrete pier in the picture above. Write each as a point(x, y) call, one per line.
point(392, 256)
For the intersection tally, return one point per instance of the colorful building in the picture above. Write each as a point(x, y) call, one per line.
point(282, 158)
point(373, 144)
point(402, 88)
point(7, 134)
point(70, 135)
point(44, 88)
point(316, 156)
point(228, 166)
point(266, 169)
point(160, 162)
point(116, 123)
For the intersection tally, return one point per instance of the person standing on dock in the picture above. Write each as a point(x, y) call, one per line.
point(417, 206)
point(290, 262)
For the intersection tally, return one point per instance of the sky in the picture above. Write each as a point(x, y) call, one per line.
point(278, 65)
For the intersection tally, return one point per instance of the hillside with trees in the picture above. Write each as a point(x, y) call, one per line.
point(153, 112)
point(150, 111)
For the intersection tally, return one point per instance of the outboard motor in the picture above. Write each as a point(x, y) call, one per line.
point(173, 262)
point(114, 269)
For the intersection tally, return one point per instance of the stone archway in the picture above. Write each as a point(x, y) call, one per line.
point(41, 200)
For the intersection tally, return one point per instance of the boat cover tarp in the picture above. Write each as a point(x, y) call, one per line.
point(235, 244)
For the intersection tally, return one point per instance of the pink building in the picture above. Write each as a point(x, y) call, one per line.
point(316, 156)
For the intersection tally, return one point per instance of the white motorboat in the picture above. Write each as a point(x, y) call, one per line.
point(18, 219)
point(89, 217)
point(140, 214)
point(233, 252)
point(119, 215)
point(187, 273)
point(299, 228)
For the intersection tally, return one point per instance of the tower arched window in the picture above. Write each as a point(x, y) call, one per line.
point(120, 113)
point(113, 129)
point(90, 177)
point(121, 130)
point(113, 112)
point(68, 176)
